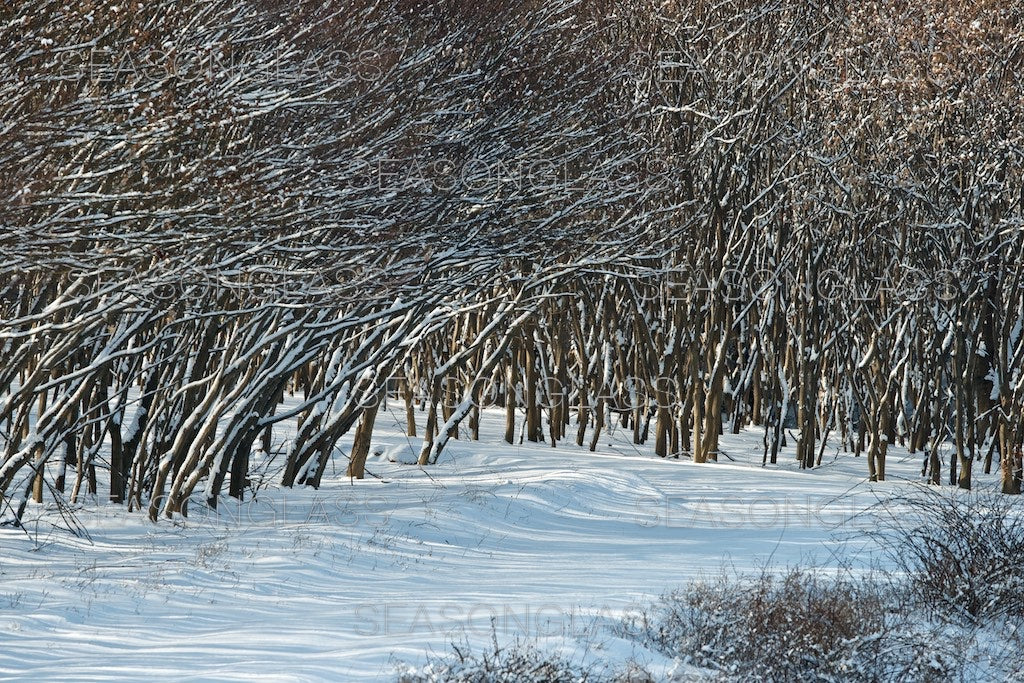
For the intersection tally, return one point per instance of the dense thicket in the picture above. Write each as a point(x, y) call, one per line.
point(670, 214)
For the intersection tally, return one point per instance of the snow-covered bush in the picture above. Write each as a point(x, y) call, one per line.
point(962, 553)
point(795, 627)
point(518, 663)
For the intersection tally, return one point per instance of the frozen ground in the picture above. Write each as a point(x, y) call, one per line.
point(354, 580)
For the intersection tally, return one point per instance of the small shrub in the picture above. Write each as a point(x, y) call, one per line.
point(799, 627)
point(633, 672)
point(963, 554)
point(517, 663)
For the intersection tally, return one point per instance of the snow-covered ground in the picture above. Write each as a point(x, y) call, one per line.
point(354, 580)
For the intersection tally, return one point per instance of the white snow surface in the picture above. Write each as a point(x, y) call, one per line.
point(550, 546)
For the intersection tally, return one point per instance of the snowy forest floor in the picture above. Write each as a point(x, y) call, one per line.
point(361, 579)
